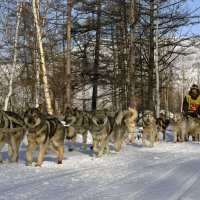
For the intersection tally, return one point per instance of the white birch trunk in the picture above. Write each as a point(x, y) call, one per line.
point(183, 83)
point(42, 56)
point(37, 85)
point(10, 90)
point(157, 66)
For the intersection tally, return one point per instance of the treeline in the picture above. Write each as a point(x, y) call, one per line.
point(92, 54)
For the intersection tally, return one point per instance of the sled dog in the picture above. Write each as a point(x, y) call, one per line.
point(118, 130)
point(183, 125)
point(77, 122)
point(101, 128)
point(123, 124)
point(149, 128)
point(43, 130)
point(11, 132)
point(162, 126)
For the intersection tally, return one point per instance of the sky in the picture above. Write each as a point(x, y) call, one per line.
point(195, 29)
point(168, 171)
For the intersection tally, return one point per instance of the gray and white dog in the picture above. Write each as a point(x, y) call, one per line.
point(149, 128)
point(101, 128)
point(123, 126)
point(119, 129)
point(12, 132)
point(77, 122)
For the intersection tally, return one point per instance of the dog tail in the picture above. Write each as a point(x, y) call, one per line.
point(134, 113)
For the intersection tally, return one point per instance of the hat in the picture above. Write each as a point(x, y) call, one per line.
point(194, 86)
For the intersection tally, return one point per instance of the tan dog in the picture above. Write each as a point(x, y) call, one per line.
point(149, 128)
point(183, 125)
point(43, 130)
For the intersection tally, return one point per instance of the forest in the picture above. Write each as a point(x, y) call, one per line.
point(94, 54)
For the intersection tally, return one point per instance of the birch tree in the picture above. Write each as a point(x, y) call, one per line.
point(10, 90)
point(35, 5)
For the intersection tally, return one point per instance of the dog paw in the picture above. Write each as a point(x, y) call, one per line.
point(38, 165)
point(12, 161)
point(99, 155)
point(29, 163)
point(95, 150)
point(59, 162)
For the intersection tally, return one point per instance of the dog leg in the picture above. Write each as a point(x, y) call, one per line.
point(182, 136)
point(156, 137)
point(152, 137)
point(175, 136)
point(95, 145)
point(73, 144)
point(29, 151)
point(10, 151)
point(107, 148)
point(84, 135)
point(60, 154)
point(42, 149)
point(144, 138)
point(117, 146)
point(118, 143)
point(1, 146)
point(133, 136)
point(15, 146)
point(104, 144)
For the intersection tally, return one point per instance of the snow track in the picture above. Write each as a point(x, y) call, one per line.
point(168, 171)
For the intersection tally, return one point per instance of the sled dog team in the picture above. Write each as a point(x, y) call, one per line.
point(45, 130)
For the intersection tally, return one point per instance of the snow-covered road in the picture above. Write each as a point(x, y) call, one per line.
point(168, 171)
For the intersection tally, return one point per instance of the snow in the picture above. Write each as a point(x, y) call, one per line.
point(167, 171)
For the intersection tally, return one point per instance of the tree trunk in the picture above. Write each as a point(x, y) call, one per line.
point(157, 66)
point(42, 56)
point(183, 83)
point(68, 56)
point(96, 59)
point(151, 58)
point(131, 67)
point(167, 101)
point(19, 10)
